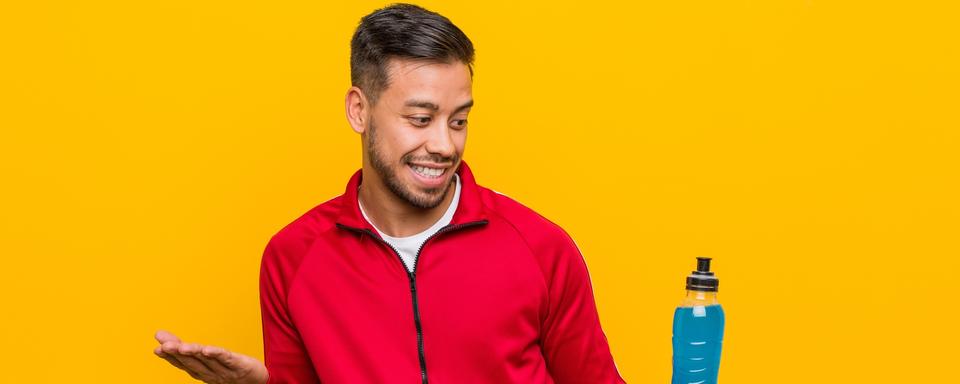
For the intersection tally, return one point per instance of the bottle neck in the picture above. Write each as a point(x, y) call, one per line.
point(699, 298)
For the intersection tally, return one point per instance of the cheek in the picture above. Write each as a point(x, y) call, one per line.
point(460, 140)
point(391, 139)
point(404, 145)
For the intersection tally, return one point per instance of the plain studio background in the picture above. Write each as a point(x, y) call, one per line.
point(149, 149)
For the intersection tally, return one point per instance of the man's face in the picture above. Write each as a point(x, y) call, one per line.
point(418, 129)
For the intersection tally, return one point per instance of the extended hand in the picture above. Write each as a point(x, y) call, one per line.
point(213, 365)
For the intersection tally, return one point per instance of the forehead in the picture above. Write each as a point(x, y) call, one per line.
point(442, 83)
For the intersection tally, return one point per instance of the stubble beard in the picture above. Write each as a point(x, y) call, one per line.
point(389, 176)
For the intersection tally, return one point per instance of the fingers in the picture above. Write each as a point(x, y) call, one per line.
point(171, 345)
point(197, 351)
point(222, 357)
point(181, 353)
point(203, 362)
point(164, 336)
point(169, 358)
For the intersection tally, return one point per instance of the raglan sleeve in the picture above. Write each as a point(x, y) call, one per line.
point(285, 356)
point(574, 345)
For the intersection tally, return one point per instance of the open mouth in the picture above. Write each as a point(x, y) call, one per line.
point(428, 176)
point(428, 172)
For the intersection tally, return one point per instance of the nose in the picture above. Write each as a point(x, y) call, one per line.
point(440, 141)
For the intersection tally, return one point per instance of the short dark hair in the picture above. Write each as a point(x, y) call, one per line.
point(403, 31)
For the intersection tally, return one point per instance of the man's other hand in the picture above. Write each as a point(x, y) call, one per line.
point(210, 364)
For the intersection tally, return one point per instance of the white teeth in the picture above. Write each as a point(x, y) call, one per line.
point(427, 172)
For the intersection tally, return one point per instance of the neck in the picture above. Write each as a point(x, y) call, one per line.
point(394, 216)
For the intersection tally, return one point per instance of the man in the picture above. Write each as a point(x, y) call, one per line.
point(416, 272)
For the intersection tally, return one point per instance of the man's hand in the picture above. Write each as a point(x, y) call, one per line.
point(210, 364)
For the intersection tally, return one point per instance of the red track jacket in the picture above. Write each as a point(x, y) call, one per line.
point(500, 295)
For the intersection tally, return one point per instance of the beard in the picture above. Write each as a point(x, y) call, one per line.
point(424, 198)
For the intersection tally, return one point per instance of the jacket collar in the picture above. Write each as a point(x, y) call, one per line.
point(469, 209)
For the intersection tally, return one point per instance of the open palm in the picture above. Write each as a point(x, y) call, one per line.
point(210, 364)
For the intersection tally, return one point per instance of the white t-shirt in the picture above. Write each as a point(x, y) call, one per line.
point(408, 246)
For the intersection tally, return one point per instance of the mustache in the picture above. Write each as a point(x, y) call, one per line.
point(433, 159)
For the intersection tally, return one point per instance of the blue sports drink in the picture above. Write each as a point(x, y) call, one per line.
point(698, 329)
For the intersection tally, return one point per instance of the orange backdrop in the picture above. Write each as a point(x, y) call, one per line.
point(148, 150)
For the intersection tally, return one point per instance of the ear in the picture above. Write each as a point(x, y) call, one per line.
point(358, 109)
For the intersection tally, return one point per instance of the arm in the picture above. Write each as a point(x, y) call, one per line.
point(285, 356)
point(574, 345)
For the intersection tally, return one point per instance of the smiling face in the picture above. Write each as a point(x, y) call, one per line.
point(415, 134)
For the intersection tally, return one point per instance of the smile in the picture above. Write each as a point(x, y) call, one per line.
point(428, 177)
point(428, 172)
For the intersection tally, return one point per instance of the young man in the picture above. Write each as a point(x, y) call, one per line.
point(416, 272)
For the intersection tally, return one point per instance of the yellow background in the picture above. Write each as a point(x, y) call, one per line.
point(148, 150)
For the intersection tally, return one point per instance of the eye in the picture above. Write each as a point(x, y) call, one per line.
point(459, 123)
point(420, 121)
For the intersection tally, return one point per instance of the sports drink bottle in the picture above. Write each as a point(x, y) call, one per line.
point(698, 329)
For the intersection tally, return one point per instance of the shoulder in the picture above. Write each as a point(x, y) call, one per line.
point(290, 243)
point(537, 230)
point(552, 248)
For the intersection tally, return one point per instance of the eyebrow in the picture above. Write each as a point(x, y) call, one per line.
point(434, 107)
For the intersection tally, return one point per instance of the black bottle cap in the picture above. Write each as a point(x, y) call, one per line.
point(702, 279)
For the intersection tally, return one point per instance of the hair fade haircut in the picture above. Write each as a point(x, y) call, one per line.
point(403, 31)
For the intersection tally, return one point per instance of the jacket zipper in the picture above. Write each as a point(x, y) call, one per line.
point(412, 277)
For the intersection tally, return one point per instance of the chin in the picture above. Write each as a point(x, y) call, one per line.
point(426, 198)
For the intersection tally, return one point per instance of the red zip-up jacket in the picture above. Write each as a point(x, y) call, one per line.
point(500, 295)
